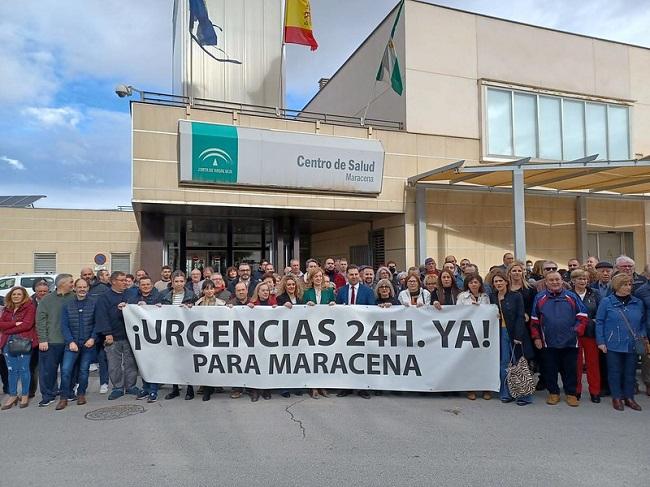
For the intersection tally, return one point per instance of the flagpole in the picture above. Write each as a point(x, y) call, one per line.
point(283, 54)
point(372, 93)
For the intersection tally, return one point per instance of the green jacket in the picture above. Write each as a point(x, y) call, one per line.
point(327, 296)
point(48, 317)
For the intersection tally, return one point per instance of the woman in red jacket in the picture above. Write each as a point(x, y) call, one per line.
point(17, 321)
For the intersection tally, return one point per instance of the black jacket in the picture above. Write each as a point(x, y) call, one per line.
point(512, 308)
point(591, 301)
point(283, 299)
point(167, 297)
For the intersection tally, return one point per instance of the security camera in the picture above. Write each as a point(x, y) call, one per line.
point(123, 90)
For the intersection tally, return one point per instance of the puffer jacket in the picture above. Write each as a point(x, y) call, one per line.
point(27, 314)
point(611, 328)
point(591, 301)
point(78, 321)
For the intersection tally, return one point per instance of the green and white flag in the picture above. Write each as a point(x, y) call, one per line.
point(389, 62)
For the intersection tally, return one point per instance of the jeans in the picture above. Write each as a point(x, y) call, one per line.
point(82, 358)
point(562, 361)
point(505, 355)
point(621, 371)
point(18, 369)
point(122, 367)
point(48, 369)
point(149, 387)
point(645, 369)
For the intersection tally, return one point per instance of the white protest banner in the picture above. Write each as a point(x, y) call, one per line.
point(349, 347)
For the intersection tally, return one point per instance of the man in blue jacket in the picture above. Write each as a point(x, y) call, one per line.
point(355, 293)
point(557, 320)
point(78, 327)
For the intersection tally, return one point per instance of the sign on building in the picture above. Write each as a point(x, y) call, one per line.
point(231, 155)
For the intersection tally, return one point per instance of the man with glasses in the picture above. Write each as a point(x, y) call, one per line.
point(625, 265)
point(244, 276)
point(220, 287)
point(548, 267)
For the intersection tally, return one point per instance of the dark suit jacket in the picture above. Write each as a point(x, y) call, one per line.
point(365, 295)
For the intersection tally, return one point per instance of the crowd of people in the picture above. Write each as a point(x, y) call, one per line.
point(593, 317)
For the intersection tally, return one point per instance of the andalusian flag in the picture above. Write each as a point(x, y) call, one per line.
point(297, 24)
point(389, 63)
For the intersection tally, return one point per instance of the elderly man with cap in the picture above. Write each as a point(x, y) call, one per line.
point(603, 285)
point(429, 268)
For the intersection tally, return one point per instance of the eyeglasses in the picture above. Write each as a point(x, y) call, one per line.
point(550, 268)
point(384, 287)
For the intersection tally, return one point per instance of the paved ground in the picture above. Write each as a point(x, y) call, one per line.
point(389, 440)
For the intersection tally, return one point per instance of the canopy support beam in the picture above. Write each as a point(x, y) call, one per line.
point(519, 213)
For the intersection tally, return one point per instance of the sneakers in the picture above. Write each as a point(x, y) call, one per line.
point(153, 397)
point(45, 403)
point(103, 389)
point(93, 368)
point(133, 391)
point(142, 394)
point(553, 399)
point(115, 394)
point(235, 395)
point(572, 401)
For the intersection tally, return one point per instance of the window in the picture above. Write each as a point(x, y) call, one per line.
point(378, 244)
point(121, 262)
point(7, 283)
point(360, 255)
point(28, 282)
point(44, 263)
point(524, 124)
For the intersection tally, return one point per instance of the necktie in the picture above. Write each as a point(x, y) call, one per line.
point(352, 296)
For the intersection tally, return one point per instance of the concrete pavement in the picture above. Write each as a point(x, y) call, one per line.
point(388, 440)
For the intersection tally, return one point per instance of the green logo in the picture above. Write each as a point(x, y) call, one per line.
point(214, 153)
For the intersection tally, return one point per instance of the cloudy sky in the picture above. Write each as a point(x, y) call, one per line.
point(64, 133)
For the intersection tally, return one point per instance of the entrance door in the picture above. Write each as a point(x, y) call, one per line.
point(201, 258)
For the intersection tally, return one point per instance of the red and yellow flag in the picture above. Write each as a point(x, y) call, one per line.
point(297, 24)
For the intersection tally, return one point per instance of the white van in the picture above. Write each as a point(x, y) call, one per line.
point(25, 280)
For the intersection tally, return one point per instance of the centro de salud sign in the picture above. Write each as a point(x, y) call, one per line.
point(230, 155)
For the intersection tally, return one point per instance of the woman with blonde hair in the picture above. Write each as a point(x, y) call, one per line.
point(17, 341)
point(289, 291)
point(317, 292)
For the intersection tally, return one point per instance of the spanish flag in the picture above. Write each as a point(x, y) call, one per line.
point(297, 24)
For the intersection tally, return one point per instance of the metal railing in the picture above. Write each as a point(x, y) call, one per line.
point(265, 111)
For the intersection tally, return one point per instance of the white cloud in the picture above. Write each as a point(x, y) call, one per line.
point(50, 117)
point(81, 178)
point(13, 163)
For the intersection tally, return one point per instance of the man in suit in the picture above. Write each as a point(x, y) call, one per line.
point(355, 293)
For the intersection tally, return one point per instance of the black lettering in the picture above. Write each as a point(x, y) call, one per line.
point(217, 333)
point(394, 366)
point(262, 333)
point(251, 364)
point(394, 333)
point(247, 336)
point(320, 360)
point(180, 326)
point(322, 327)
point(412, 365)
point(338, 364)
point(279, 367)
point(353, 367)
point(215, 363)
point(158, 329)
point(285, 333)
point(205, 336)
point(466, 334)
point(373, 361)
point(444, 332)
point(303, 332)
point(199, 361)
point(377, 334)
point(234, 362)
point(354, 341)
point(301, 364)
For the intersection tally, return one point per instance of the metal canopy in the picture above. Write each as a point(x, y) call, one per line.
point(19, 201)
point(586, 175)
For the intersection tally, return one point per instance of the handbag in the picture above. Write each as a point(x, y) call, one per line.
point(519, 378)
point(19, 346)
point(640, 343)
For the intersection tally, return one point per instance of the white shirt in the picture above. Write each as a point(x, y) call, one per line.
point(466, 297)
point(356, 293)
point(424, 297)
